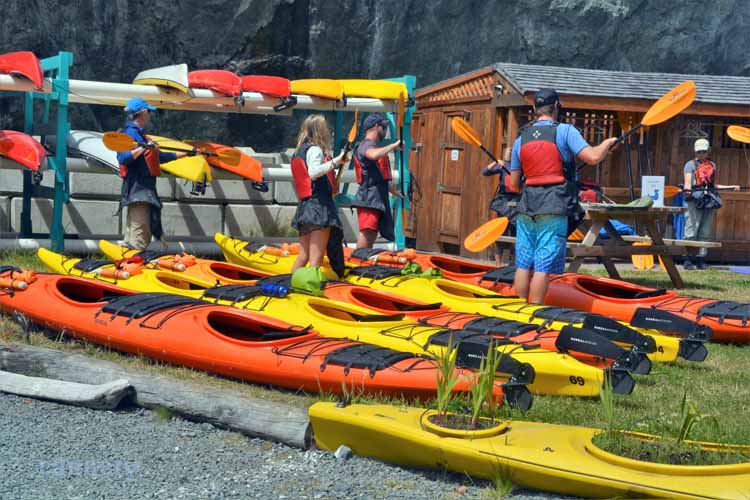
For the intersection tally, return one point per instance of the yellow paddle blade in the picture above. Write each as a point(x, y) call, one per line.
point(486, 234)
point(642, 262)
point(353, 131)
point(739, 134)
point(670, 104)
point(118, 142)
point(576, 235)
point(671, 192)
point(465, 131)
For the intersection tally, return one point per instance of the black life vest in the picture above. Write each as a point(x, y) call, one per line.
point(325, 185)
point(541, 161)
point(384, 167)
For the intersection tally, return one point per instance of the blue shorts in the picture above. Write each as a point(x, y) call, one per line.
point(540, 243)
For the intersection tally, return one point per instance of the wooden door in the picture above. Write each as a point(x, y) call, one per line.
point(450, 182)
point(416, 173)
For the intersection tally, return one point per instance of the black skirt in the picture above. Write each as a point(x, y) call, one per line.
point(314, 213)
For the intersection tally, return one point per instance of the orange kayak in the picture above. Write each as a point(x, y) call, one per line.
point(583, 344)
point(248, 167)
point(720, 320)
point(24, 64)
point(22, 148)
point(220, 339)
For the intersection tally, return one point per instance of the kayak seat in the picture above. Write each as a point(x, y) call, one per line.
point(650, 293)
point(725, 309)
point(375, 272)
point(420, 307)
point(365, 253)
point(90, 265)
point(563, 314)
point(141, 304)
point(498, 327)
point(364, 356)
point(252, 246)
point(505, 274)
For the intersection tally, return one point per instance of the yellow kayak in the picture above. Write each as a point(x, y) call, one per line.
point(375, 89)
point(557, 458)
point(460, 297)
point(192, 168)
point(553, 371)
point(318, 87)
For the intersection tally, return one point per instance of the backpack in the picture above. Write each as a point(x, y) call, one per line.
point(705, 173)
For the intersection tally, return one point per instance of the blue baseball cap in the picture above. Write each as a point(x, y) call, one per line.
point(136, 104)
point(546, 97)
point(375, 119)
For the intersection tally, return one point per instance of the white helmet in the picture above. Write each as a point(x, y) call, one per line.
point(702, 145)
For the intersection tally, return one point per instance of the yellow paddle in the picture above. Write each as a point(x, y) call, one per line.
point(669, 105)
point(486, 234)
point(739, 134)
point(349, 141)
point(119, 142)
point(465, 131)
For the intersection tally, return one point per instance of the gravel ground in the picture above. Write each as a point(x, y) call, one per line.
point(54, 451)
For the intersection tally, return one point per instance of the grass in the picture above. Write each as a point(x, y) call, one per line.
point(720, 386)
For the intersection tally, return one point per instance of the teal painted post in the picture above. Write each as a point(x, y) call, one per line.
point(338, 133)
point(62, 196)
point(28, 127)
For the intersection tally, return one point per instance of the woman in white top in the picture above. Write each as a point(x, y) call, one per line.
point(314, 182)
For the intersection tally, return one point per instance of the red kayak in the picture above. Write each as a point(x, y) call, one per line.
point(248, 167)
point(22, 148)
point(222, 339)
point(24, 64)
point(636, 304)
point(274, 86)
point(218, 80)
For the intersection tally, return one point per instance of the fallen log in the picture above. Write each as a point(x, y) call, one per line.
point(221, 407)
point(98, 397)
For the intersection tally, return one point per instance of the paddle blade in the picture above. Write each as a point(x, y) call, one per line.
point(576, 235)
point(670, 104)
point(230, 156)
point(486, 234)
point(118, 142)
point(645, 261)
point(462, 129)
point(739, 134)
point(671, 192)
point(353, 131)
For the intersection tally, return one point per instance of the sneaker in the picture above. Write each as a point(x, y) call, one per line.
point(688, 265)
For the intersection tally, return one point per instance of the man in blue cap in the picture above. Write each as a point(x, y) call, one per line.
point(139, 169)
point(545, 154)
point(374, 177)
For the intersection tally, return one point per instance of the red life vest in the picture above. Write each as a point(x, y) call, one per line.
point(541, 161)
point(384, 166)
point(152, 162)
point(303, 183)
point(705, 173)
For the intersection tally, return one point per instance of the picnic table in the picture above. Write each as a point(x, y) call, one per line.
point(599, 216)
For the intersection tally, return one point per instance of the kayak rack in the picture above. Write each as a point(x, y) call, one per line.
point(59, 89)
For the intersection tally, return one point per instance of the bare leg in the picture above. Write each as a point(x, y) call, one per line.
point(304, 252)
point(539, 285)
point(318, 243)
point(366, 238)
point(521, 282)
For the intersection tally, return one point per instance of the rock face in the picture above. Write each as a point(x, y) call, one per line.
point(113, 40)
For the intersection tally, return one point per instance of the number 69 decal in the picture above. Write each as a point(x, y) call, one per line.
point(577, 380)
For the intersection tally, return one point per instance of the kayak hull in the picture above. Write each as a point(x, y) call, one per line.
point(556, 458)
point(375, 89)
point(22, 149)
point(25, 64)
point(220, 339)
point(172, 77)
point(217, 80)
point(274, 86)
point(326, 89)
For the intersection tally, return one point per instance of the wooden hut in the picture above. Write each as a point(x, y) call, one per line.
point(453, 197)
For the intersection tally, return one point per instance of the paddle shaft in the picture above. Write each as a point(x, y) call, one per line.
point(347, 148)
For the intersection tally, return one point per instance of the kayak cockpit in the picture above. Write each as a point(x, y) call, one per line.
point(87, 292)
point(456, 266)
point(618, 290)
point(239, 327)
point(385, 302)
point(233, 272)
point(332, 310)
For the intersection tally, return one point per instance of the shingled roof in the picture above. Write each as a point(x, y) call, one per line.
point(527, 78)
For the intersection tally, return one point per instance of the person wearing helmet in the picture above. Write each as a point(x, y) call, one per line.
point(139, 169)
point(545, 154)
point(702, 201)
point(373, 171)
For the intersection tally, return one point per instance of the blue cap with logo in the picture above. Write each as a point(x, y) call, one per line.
point(136, 104)
point(546, 97)
point(374, 120)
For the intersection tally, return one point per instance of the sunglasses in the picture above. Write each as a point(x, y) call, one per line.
point(702, 152)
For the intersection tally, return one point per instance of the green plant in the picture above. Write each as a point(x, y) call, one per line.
point(163, 413)
point(447, 377)
point(607, 399)
point(690, 416)
point(482, 385)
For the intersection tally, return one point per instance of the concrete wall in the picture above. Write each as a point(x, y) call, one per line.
point(230, 206)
